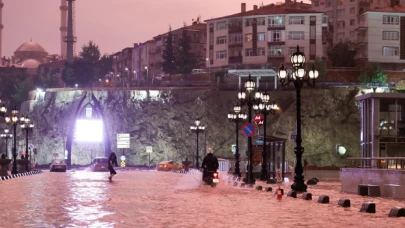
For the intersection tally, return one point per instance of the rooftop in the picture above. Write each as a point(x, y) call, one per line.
point(395, 9)
point(268, 9)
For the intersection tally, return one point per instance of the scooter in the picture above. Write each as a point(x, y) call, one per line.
point(211, 178)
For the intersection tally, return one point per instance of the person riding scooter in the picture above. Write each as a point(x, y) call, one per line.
point(209, 165)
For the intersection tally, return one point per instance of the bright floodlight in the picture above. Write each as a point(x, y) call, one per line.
point(89, 130)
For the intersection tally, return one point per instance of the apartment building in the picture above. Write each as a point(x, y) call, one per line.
point(196, 32)
point(122, 62)
point(343, 15)
point(144, 56)
point(381, 36)
point(264, 36)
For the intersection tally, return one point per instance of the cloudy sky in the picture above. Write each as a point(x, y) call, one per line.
point(112, 24)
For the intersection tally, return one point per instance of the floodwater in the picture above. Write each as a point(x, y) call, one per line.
point(163, 199)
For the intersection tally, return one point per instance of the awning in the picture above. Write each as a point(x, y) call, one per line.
point(257, 73)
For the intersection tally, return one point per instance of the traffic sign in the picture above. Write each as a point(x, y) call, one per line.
point(121, 146)
point(149, 149)
point(248, 129)
point(233, 148)
point(123, 135)
point(30, 146)
point(259, 119)
point(123, 141)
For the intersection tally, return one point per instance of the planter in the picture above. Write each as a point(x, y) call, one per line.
point(3, 166)
point(22, 165)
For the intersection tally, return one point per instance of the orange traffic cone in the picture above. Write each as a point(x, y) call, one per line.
point(279, 195)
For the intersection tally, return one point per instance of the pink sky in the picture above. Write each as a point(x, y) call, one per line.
point(112, 24)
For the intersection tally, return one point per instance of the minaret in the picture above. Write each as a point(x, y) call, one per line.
point(70, 38)
point(63, 27)
point(1, 32)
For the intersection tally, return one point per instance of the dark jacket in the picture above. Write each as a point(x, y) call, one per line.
point(210, 162)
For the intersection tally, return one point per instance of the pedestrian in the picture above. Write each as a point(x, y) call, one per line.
point(112, 160)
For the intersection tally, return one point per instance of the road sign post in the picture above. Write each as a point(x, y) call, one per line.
point(149, 150)
point(123, 141)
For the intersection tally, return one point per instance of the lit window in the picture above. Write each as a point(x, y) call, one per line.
point(248, 37)
point(390, 35)
point(221, 54)
point(296, 35)
point(276, 21)
point(221, 40)
point(390, 51)
point(261, 36)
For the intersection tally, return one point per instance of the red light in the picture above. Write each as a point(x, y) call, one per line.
point(215, 175)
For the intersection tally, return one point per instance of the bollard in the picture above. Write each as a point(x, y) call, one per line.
point(259, 188)
point(307, 196)
point(311, 182)
point(397, 212)
point(344, 202)
point(315, 179)
point(268, 189)
point(292, 194)
point(235, 184)
point(323, 199)
point(242, 185)
point(368, 207)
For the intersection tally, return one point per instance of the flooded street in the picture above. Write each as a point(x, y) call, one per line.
point(159, 199)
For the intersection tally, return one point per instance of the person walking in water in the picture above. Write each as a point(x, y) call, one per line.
point(112, 160)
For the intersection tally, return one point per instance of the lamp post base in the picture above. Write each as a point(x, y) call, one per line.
point(252, 180)
point(299, 185)
point(14, 171)
point(264, 176)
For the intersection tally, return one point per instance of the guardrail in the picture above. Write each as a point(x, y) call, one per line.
point(377, 163)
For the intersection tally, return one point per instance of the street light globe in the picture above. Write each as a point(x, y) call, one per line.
point(197, 122)
point(300, 73)
point(146, 68)
point(297, 58)
point(237, 108)
point(126, 68)
point(341, 150)
point(256, 107)
point(250, 84)
point(242, 95)
point(313, 73)
point(258, 95)
point(6, 131)
point(265, 97)
point(76, 85)
point(242, 116)
point(282, 73)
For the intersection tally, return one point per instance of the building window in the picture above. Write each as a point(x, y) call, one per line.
point(340, 24)
point(276, 21)
point(261, 36)
point(248, 37)
point(275, 36)
point(291, 50)
point(221, 40)
point(312, 50)
point(390, 35)
point(248, 22)
point(390, 51)
point(296, 20)
point(341, 12)
point(249, 52)
point(236, 53)
point(221, 25)
point(261, 21)
point(328, 3)
point(276, 50)
point(390, 20)
point(316, 3)
point(261, 52)
point(235, 38)
point(341, 2)
point(221, 54)
point(352, 22)
point(352, 10)
point(296, 35)
point(352, 33)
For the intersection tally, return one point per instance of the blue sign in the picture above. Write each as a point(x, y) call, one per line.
point(259, 142)
point(248, 129)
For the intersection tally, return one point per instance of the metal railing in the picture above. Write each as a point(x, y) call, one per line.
point(377, 163)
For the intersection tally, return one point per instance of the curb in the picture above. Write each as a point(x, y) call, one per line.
point(12, 176)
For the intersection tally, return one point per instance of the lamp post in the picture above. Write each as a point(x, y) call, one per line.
point(127, 71)
point(13, 120)
point(265, 109)
point(249, 98)
point(236, 117)
point(298, 77)
point(197, 128)
point(147, 76)
point(27, 126)
point(6, 136)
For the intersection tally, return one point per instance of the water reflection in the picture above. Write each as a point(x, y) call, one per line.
point(71, 199)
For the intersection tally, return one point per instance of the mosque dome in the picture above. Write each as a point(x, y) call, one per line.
point(30, 50)
point(30, 63)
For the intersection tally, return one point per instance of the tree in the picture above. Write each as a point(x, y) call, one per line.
point(342, 55)
point(9, 80)
point(373, 74)
point(184, 59)
point(21, 89)
point(47, 80)
point(169, 65)
point(79, 72)
point(103, 66)
point(90, 52)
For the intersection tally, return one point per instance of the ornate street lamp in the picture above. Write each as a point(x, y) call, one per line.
point(6, 136)
point(197, 128)
point(298, 77)
point(236, 117)
point(249, 98)
point(265, 109)
point(13, 120)
point(27, 126)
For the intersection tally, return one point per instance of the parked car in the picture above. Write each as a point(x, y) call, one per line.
point(99, 164)
point(168, 166)
point(58, 165)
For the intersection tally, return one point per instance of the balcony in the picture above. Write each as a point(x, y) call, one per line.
point(235, 28)
point(235, 44)
point(273, 57)
point(362, 25)
point(361, 56)
point(235, 59)
point(324, 21)
point(361, 40)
